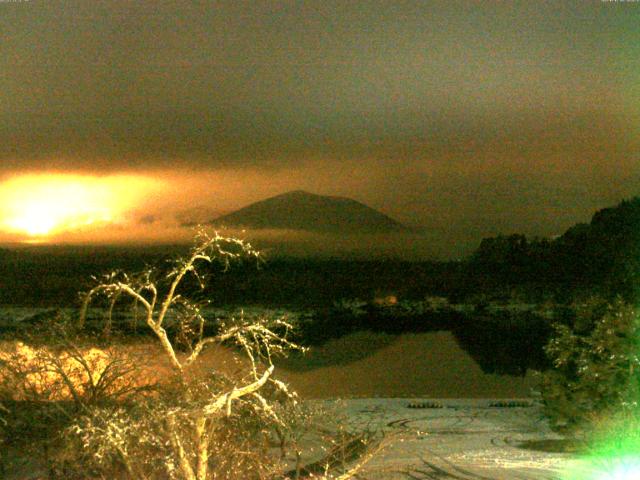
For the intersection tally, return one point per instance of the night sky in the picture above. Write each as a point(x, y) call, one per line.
point(466, 118)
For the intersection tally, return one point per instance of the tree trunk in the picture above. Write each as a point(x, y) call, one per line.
point(202, 443)
point(185, 466)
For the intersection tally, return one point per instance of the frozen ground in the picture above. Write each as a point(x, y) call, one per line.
point(461, 439)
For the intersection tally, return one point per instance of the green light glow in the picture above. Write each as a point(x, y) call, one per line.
point(615, 468)
point(616, 458)
point(627, 469)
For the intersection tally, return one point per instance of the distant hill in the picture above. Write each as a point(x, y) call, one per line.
point(300, 210)
point(608, 246)
point(604, 252)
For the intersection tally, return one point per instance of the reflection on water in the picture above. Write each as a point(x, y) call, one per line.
point(505, 346)
point(367, 364)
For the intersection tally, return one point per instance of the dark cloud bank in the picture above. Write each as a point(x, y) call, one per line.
point(467, 119)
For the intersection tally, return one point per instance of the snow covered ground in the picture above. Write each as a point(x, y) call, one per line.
point(461, 439)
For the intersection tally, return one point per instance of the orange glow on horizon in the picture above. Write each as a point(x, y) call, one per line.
point(48, 204)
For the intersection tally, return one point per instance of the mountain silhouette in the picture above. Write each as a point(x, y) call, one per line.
point(300, 210)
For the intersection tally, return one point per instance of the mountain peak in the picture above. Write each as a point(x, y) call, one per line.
point(293, 193)
point(302, 210)
point(302, 194)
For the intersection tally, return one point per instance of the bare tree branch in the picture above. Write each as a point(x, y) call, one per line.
point(225, 400)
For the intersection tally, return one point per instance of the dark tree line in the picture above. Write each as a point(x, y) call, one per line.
point(603, 255)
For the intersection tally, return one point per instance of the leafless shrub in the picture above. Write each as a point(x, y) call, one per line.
point(56, 364)
point(49, 377)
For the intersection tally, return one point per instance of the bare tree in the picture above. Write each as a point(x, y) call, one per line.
point(158, 295)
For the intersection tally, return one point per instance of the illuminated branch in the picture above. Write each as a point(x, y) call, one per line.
point(225, 400)
point(207, 249)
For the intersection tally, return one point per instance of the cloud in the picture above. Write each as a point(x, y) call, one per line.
point(110, 86)
point(467, 119)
